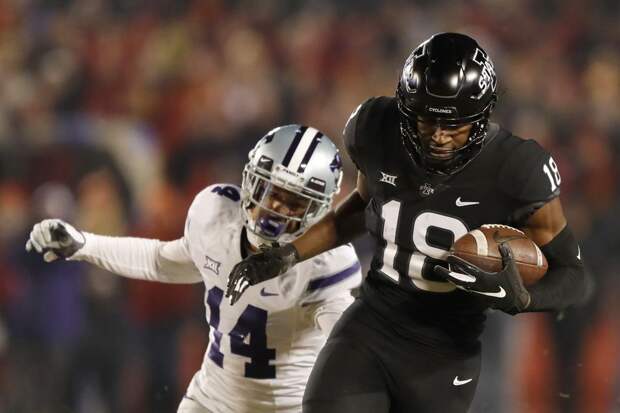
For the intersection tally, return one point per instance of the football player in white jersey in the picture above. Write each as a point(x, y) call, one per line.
point(262, 348)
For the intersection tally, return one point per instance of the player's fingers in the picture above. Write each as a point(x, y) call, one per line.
point(29, 246)
point(483, 279)
point(506, 252)
point(228, 289)
point(46, 230)
point(59, 233)
point(232, 276)
point(441, 272)
point(37, 235)
point(238, 285)
point(50, 221)
point(37, 247)
point(240, 288)
point(461, 265)
point(242, 285)
point(50, 256)
point(455, 277)
point(234, 296)
point(232, 280)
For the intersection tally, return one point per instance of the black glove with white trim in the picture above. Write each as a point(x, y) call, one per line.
point(504, 289)
point(54, 238)
point(263, 266)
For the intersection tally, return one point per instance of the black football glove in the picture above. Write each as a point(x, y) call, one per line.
point(55, 238)
point(504, 289)
point(263, 266)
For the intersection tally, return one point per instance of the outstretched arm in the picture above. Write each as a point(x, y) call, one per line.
point(139, 258)
point(339, 226)
point(336, 228)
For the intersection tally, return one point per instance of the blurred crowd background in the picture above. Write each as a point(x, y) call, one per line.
point(114, 113)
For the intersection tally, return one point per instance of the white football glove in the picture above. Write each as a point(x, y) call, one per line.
point(54, 238)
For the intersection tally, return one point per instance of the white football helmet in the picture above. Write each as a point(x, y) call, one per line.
point(289, 183)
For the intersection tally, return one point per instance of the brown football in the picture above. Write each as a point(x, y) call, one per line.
point(480, 247)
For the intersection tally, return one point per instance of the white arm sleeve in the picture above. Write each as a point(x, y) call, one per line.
point(141, 258)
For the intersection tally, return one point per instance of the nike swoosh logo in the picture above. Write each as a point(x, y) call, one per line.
point(458, 382)
point(266, 294)
point(460, 203)
point(501, 293)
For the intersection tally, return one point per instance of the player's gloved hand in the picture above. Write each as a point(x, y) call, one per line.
point(55, 239)
point(267, 264)
point(504, 289)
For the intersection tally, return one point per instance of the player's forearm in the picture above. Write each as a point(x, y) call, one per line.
point(137, 258)
point(565, 283)
point(338, 227)
point(560, 288)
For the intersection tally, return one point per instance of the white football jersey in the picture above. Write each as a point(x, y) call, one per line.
point(262, 349)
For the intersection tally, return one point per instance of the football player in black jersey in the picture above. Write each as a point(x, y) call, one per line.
point(431, 167)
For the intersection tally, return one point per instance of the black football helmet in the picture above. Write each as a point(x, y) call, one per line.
point(448, 80)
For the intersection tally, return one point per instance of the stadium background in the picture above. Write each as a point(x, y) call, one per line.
point(114, 113)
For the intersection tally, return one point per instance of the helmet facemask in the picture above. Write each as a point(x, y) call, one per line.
point(418, 149)
point(299, 206)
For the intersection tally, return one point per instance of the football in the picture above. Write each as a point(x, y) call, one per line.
point(480, 247)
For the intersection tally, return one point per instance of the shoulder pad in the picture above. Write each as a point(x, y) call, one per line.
point(363, 122)
point(530, 174)
point(215, 202)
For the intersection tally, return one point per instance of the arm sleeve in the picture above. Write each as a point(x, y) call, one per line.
point(141, 258)
point(566, 282)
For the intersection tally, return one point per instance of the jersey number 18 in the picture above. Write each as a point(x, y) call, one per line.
point(424, 230)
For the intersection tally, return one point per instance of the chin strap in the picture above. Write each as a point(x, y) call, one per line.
point(477, 139)
point(257, 241)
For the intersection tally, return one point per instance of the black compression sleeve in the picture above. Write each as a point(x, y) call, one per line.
point(350, 220)
point(565, 281)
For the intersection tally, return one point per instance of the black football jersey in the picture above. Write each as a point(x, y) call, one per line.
point(414, 217)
